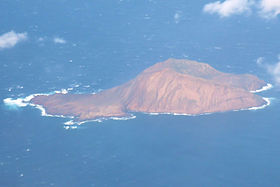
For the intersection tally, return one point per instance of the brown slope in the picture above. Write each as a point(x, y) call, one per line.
point(173, 86)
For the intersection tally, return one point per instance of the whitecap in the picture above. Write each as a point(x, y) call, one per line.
point(71, 122)
point(67, 127)
point(62, 91)
point(19, 102)
point(23, 102)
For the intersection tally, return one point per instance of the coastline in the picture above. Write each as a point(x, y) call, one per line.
point(71, 124)
point(268, 86)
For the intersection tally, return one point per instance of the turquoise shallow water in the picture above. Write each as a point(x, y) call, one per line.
point(109, 43)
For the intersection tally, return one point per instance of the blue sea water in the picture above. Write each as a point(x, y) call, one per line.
point(107, 44)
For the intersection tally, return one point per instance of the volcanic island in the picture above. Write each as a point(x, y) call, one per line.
point(174, 86)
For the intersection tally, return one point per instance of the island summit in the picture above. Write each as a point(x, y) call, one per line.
point(173, 86)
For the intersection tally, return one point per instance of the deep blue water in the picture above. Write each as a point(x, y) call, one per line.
point(109, 43)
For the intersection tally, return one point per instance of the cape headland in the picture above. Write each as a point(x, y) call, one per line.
point(173, 86)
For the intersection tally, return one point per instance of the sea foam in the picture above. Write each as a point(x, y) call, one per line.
point(101, 119)
point(72, 124)
point(15, 102)
point(268, 102)
point(268, 86)
point(23, 102)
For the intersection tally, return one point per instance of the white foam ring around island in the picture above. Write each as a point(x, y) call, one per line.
point(267, 100)
point(14, 102)
point(23, 102)
point(71, 124)
point(175, 114)
point(268, 86)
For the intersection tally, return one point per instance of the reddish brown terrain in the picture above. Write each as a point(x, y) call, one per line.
point(173, 86)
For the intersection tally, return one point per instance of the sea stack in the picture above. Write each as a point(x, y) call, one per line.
point(172, 86)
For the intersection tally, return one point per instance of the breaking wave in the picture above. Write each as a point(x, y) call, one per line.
point(268, 102)
point(73, 124)
point(268, 86)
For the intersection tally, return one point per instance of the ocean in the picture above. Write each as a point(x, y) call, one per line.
point(94, 45)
